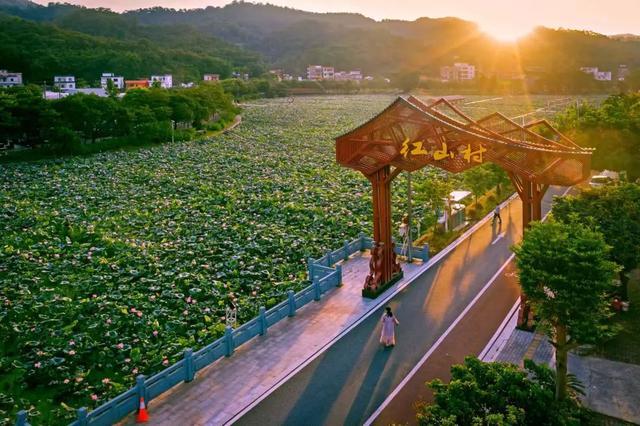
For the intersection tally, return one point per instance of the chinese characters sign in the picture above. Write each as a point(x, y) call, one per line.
point(417, 148)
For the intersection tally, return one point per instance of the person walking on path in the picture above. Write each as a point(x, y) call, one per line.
point(496, 215)
point(389, 323)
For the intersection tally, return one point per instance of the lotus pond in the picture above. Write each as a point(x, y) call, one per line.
point(112, 265)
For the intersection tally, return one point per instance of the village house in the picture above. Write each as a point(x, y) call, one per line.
point(136, 84)
point(64, 83)
point(166, 80)
point(459, 71)
point(10, 79)
point(597, 74)
point(118, 81)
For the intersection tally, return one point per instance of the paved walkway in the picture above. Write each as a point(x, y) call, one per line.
point(611, 388)
point(225, 388)
point(352, 378)
point(293, 348)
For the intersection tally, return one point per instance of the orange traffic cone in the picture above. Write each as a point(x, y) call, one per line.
point(142, 416)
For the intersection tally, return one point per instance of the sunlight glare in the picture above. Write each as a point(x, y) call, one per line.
point(507, 33)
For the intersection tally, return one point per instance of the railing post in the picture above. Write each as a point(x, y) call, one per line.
point(329, 259)
point(361, 237)
point(82, 416)
point(21, 418)
point(425, 253)
point(346, 250)
point(339, 271)
point(262, 320)
point(189, 368)
point(292, 303)
point(141, 388)
point(317, 291)
point(310, 263)
point(228, 340)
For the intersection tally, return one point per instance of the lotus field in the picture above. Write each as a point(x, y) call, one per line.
point(112, 265)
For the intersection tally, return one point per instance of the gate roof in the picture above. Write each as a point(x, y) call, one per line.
point(410, 134)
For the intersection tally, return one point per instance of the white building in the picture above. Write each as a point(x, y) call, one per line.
point(10, 79)
point(118, 81)
point(320, 72)
point(355, 75)
point(459, 71)
point(327, 73)
point(596, 73)
point(64, 82)
point(623, 72)
point(166, 81)
point(589, 70)
point(211, 77)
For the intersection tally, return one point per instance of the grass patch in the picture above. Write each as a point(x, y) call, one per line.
point(625, 346)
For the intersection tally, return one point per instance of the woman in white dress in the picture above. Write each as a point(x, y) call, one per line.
point(389, 323)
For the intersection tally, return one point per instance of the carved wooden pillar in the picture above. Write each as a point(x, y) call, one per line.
point(383, 267)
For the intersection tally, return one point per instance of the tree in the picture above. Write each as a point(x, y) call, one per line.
point(498, 394)
point(499, 177)
point(478, 180)
point(433, 192)
point(407, 81)
point(615, 210)
point(112, 90)
point(567, 277)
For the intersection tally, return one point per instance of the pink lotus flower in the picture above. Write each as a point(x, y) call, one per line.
point(127, 360)
point(155, 332)
point(79, 379)
point(139, 314)
point(120, 346)
point(72, 353)
point(108, 320)
point(105, 381)
point(65, 381)
point(37, 364)
point(165, 362)
point(134, 371)
point(72, 343)
point(94, 396)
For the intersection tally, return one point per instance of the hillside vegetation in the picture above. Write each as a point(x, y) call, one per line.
point(292, 39)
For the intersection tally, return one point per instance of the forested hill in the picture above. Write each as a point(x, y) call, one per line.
point(292, 39)
point(87, 42)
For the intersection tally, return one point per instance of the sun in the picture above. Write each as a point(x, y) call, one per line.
point(506, 33)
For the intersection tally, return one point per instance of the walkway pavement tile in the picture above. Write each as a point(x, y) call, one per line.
point(611, 388)
point(515, 348)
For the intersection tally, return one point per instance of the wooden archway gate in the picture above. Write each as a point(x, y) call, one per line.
point(410, 134)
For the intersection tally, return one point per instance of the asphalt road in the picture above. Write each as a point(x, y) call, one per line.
point(348, 382)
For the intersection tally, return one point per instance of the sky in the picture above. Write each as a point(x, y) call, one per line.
point(504, 19)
